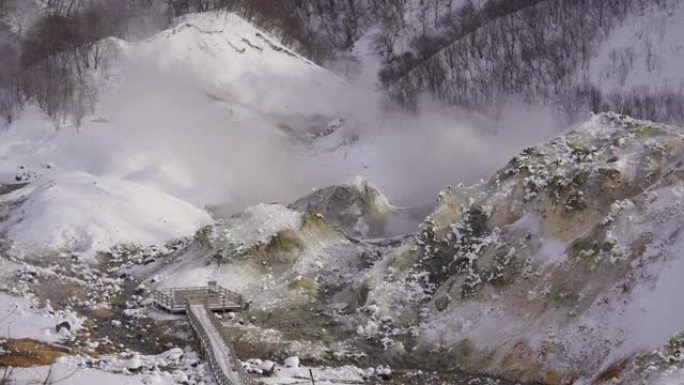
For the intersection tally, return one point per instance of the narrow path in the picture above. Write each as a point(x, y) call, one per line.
point(220, 351)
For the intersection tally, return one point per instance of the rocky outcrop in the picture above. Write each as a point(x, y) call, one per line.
point(540, 272)
point(560, 267)
point(358, 208)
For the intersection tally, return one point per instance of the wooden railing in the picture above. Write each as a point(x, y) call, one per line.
point(175, 298)
point(225, 337)
point(208, 350)
point(221, 377)
point(161, 298)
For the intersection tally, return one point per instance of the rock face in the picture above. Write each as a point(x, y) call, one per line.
point(562, 266)
point(556, 267)
point(278, 256)
point(63, 325)
point(358, 208)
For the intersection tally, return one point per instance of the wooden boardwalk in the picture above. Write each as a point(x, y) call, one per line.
point(217, 298)
point(199, 303)
point(216, 346)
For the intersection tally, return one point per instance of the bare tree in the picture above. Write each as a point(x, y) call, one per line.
point(7, 374)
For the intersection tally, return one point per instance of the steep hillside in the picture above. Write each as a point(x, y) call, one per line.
point(176, 112)
point(241, 65)
point(560, 267)
point(576, 56)
point(205, 157)
point(557, 266)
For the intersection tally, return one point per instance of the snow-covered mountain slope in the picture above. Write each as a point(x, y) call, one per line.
point(547, 52)
point(215, 113)
point(562, 267)
point(80, 212)
point(642, 53)
point(237, 63)
point(185, 120)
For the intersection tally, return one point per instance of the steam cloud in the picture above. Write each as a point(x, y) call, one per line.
point(211, 152)
point(164, 129)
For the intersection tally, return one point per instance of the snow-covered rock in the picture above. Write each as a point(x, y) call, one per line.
point(273, 254)
point(560, 265)
point(23, 318)
point(291, 362)
point(84, 213)
point(357, 208)
point(134, 363)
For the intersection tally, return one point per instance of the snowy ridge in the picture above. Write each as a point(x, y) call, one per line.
point(144, 175)
point(81, 212)
point(238, 63)
point(560, 268)
point(567, 246)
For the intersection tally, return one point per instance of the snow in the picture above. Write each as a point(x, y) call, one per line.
point(552, 250)
point(85, 213)
point(485, 323)
point(80, 197)
point(343, 375)
point(649, 316)
point(652, 40)
point(7, 270)
point(21, 318)
point(242, 65)
point(172, 367)
point(72, 376)
point(258, 223)
point(675, 377)
point(134, 363)
point(292, 362)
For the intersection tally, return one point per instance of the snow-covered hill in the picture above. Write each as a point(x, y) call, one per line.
point(214, 113)
point(560, 265)
point(236, 63)
point(209, 137)
point(576, 57)
point(185, 120)
point(559, 268)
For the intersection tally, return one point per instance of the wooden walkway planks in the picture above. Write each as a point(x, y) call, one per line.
point(198, 303)
point(224, 363)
